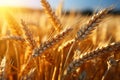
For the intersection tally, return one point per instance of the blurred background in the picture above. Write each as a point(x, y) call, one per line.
point(68, 4)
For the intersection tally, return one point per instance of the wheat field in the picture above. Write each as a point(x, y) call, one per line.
point(49, 44)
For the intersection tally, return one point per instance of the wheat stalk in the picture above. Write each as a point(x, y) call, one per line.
point(43, 47)
point(53, 18)
point(90, 55)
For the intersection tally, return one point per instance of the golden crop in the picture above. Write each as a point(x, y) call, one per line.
point(49, 45)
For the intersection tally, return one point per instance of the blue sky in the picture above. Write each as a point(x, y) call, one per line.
point(91, 4)
point(68, 4)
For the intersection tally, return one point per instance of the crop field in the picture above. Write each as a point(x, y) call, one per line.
point(50, 44)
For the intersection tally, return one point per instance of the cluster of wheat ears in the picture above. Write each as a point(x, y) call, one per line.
point(67, 54)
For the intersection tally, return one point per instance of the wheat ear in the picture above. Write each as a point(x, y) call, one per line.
point(43, 47)
point(53, 18)
point(28, 35)
point(16, 38)
point(92, 23)
point(2, 68)
point(90, 55)
point(13, 24)
point(88, 27)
